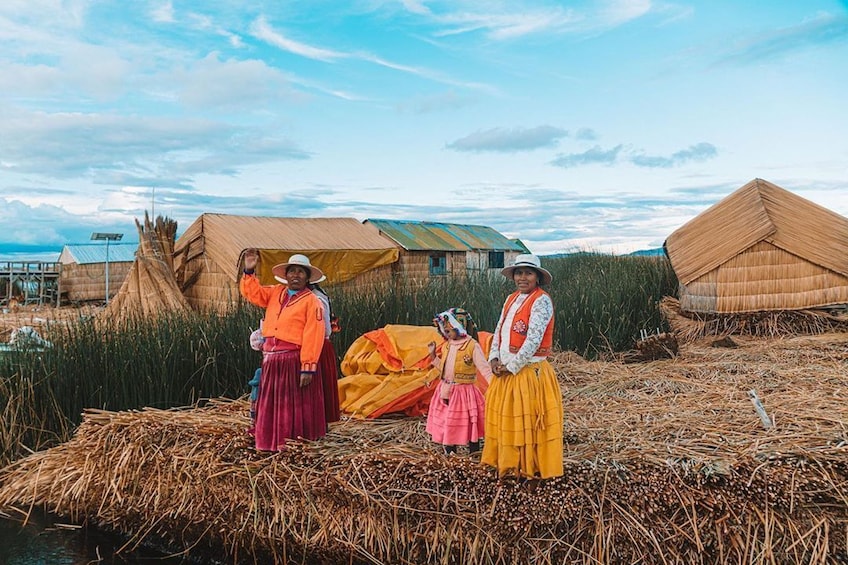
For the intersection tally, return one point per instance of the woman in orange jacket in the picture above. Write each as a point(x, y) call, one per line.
point(290, 403)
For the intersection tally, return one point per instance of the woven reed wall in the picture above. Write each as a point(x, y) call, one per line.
point(762, 278)
point(415, 265)
point(701, 294)
point(83, 283)
point(212, 288)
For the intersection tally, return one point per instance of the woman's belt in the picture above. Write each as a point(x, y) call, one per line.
point(465, 379)
point(274, 345)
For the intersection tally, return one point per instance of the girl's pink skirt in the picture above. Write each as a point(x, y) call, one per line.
point(461, 420)
point(284, 410)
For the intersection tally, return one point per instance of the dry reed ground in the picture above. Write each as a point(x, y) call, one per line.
point(665, 462)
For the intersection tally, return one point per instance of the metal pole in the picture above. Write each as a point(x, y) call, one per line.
point(107, 272)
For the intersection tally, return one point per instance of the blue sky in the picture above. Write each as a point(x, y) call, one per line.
point(587, 125)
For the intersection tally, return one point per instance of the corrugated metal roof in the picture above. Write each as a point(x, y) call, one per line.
point(437, 236)
point(88, 253)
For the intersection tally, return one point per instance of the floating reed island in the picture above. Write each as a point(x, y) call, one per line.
point(665, 462)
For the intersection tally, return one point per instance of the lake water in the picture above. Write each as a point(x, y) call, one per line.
point(44, 541)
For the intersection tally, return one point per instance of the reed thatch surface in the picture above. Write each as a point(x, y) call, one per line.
point(761, 248)
point(665, 462)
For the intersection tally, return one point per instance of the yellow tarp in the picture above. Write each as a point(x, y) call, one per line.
point(339, 265)
point(388, 370)
point(383, 365)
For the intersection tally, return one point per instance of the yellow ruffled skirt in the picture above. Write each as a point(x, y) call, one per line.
point(524, 423)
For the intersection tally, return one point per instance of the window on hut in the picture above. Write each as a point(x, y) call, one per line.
point(496, 259)
point(438, 264)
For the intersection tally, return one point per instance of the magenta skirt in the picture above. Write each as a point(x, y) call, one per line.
point(461, 420)
point(284, 409)
point(328, 368)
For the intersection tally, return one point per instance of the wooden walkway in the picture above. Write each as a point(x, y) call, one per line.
point(30, 282)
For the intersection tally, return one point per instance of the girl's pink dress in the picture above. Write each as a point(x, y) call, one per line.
point(461, 421)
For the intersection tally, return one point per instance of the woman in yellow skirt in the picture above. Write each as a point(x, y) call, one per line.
point(523, 431)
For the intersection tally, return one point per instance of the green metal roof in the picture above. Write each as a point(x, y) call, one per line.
point(437, 236)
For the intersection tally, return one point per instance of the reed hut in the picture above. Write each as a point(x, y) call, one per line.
point(761, 249)
point(207, 257)
point(435, 249)
point(83, 274)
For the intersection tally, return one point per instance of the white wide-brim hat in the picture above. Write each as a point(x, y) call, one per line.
point(528, 260)
point(298, 260)
point(284, 281)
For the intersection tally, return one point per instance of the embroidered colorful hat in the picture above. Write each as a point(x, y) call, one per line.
point(532, 261)
point(455, 318)
point(299, 260)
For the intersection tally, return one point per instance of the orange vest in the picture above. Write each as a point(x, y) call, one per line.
point(521, 320)
point(464, 370)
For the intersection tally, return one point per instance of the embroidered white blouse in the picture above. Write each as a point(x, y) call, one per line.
point(540, 314)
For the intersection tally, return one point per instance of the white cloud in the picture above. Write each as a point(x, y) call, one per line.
point(261, 30)
point(163, 13)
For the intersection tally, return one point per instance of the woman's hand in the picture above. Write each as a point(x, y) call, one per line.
point(431, 347)
point(251, 259)
point(498, 368)
point(305, 379)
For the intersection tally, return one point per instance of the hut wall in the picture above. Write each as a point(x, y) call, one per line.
point(415, 265)
point(208, 287)
point(480, 260)
point(764, 277)
point(699, 295)
point(87, 282)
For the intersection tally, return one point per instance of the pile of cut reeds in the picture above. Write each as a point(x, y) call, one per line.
point(150, 288)
point(779, 323)
point(665, 462)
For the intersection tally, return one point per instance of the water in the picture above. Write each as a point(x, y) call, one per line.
point(45, 541)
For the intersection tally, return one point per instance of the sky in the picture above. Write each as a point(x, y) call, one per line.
point(574, 126)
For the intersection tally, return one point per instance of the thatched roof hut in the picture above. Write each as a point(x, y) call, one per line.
point(207, 257)
point(762, 248)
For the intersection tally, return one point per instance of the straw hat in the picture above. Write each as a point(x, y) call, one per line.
point(528, 260)
point(298, 260)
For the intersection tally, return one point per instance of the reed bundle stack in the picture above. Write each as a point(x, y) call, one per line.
point(665, 462)
point(690, 326)
point(150, 288)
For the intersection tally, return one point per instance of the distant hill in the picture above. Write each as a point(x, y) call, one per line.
point(649, 252)
point(32, 252)
point(658, 252)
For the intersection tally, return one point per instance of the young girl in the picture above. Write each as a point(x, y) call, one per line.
point(457, 409)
